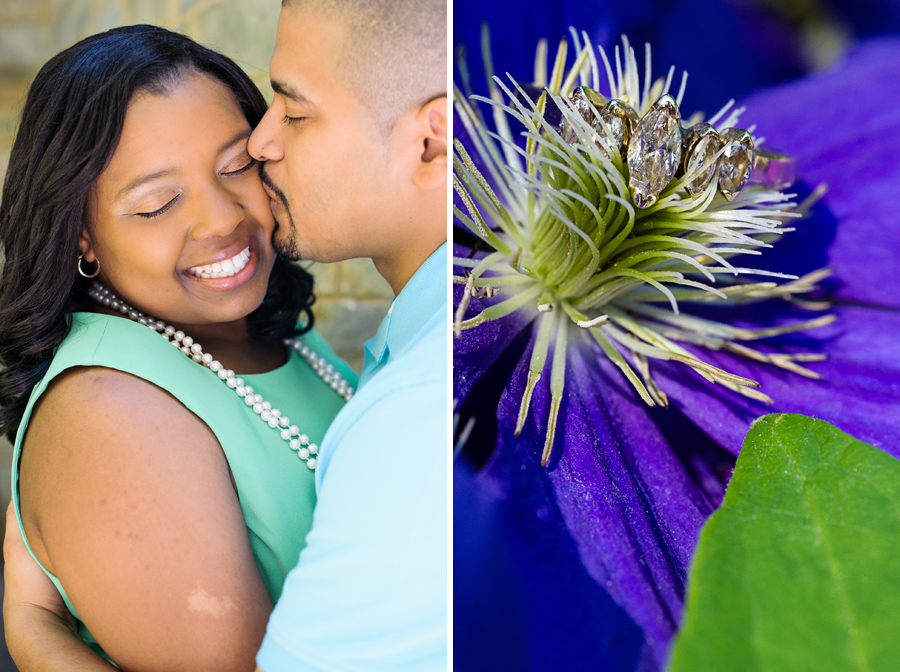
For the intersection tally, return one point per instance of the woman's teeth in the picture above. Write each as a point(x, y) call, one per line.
point(225, 268)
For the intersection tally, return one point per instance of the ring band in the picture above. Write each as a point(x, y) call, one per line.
point(772, 169)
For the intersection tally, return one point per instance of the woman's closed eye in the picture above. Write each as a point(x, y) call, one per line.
point(250, 163)
point(158, 212)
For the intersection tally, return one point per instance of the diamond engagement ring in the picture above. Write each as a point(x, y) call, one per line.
point(659, 148)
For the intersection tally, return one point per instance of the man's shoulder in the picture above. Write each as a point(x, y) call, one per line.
point(424, 358)
point(421, 361)
point(418, 375)
point(405, 403)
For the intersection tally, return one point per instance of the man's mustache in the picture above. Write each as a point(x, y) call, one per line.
point(266, 180)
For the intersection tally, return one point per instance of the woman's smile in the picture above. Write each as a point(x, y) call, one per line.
point(227, 270)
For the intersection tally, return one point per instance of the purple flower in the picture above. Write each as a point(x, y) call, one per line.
point(627, 486)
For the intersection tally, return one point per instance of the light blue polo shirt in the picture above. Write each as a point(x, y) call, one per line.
point(370, 592)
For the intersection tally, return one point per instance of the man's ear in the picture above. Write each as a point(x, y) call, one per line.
point(431, 172)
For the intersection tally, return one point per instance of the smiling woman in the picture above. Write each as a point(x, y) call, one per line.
point(181, 199)
point(145, 474)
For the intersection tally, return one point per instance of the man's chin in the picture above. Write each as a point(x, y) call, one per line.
point(285, 245)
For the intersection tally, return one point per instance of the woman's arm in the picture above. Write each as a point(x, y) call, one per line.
point(40, 632)
point(128, 500)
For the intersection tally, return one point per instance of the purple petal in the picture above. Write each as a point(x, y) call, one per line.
point(843, 126)
point(632, 505)
point(522, 599)
point(488, 586)
point(859, 391)
point(476, 350)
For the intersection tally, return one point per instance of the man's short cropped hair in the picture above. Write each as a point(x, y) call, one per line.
point(395, 55)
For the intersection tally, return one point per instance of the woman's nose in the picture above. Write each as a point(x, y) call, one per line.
point(218, 214)
point(265, 141)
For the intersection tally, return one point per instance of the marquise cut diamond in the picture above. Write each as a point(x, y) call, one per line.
point(701, 145)
point(654, 152)
point(736, 162)
point(581, 100)
point(608, 143)
point(620, 119)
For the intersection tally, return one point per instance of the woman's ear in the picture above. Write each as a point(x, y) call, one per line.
point(86, 245)
point(431, 173)
point(88, 265)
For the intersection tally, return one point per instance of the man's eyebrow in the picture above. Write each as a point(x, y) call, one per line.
point(143, 179)
point(288, 91)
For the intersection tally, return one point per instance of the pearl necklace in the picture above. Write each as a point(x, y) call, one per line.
point(271, 416)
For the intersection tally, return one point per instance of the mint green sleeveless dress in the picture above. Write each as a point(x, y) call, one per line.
point(275, 487)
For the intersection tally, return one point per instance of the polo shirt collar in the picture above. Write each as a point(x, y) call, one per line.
point(422, 297)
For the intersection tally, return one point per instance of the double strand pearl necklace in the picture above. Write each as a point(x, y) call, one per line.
point(271, 416)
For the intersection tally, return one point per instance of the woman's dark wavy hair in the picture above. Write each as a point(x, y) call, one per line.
point(70, 127)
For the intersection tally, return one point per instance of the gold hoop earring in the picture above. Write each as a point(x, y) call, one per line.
point(81, 270)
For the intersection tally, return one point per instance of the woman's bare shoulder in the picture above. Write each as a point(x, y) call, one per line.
point(94, 430)
point(133, 504)
point(95, 416)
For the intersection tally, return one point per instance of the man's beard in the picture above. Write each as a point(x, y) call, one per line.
point(286, 245)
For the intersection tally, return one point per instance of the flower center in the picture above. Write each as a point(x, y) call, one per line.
point(614, 222)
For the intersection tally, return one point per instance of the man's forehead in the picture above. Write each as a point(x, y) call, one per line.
point(292, 76)
point(306, 53)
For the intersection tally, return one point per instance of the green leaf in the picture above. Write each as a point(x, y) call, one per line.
point(800, 568)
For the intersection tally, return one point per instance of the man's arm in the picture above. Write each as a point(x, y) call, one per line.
point(40, 633)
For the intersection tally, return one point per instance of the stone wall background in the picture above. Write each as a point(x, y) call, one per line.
point(352, 296)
